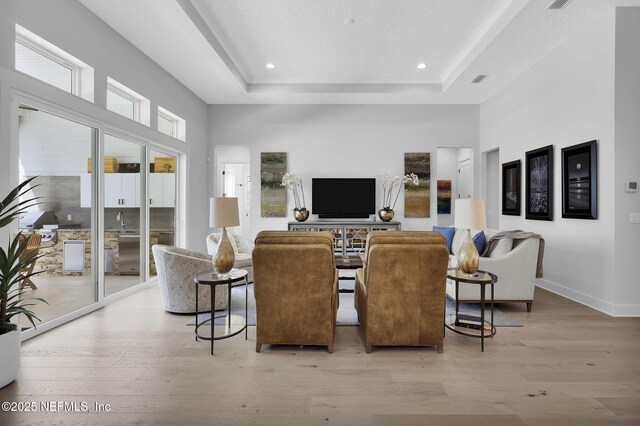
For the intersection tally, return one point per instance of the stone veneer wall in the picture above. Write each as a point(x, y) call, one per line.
point(52, 262)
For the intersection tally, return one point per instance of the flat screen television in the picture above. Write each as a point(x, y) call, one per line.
point(334, 198)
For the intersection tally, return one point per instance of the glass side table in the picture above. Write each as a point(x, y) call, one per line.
point(234, 324)
point(469, 325)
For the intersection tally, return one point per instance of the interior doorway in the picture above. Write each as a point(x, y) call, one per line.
point(454, 169)
point(236, 182)
point(491, 187)
point(465, 178)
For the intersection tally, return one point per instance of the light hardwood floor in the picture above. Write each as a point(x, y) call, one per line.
point(568, 365)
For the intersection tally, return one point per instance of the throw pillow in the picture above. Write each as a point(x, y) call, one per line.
point(234, 245)
point(479, 240)
point(448, 234)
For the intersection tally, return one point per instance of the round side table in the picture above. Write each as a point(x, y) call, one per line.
point(213, 279)
point(469, 325)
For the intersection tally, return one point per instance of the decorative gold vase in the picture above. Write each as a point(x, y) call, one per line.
point(385, 215)
point(301, 215)
point(225, 257)
point(468, 257)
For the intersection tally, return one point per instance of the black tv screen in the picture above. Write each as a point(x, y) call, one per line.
point(343, 197)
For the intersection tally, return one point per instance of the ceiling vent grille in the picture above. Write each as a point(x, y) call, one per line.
point(558, 4)
point(479, 78)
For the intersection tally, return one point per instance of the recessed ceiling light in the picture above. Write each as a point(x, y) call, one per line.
point(422, 66)
point(350, 21)
point(270, 66)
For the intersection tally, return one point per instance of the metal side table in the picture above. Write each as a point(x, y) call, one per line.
point(469, 325)
point(234, 324)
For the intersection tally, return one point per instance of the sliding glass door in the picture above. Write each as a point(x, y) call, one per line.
point(162, 202)
point(124, 224)
point(104, 201)
point(59, 153)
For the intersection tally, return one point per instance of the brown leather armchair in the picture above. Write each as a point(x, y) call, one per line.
point(296, 288)
point(400, 291)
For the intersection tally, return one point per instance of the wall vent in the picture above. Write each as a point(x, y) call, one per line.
point(479, 78)
point(558, 4)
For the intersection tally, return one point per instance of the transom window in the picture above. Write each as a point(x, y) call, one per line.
point(126, 102)
point(40, 59)
point(170, 124)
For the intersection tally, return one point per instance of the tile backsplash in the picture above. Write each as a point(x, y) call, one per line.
point(61, 194)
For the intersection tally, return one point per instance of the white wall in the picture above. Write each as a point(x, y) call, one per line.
point(566, 99)
point(72, 27)
point(627, 160)
point(51, 146)
point(342, 141)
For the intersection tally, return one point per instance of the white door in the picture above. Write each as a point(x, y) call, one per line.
point(245, 203)
point(112, 190)
point(169, 189)
point(233, 186)
point(130, 192)
point(156, 190)
point(465, 182)
point(85, 190)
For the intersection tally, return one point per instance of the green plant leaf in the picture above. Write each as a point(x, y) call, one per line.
point(16, 258)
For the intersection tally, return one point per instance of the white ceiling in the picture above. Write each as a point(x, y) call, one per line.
point(219, 48)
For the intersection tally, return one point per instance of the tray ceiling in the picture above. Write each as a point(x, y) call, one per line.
point(347, 51)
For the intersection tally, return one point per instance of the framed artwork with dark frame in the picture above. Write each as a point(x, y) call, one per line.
point(580, 181)
point(539, 184)
point(511, 188)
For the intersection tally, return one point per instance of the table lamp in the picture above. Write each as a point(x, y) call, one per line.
point(470, 214)
point(222, 214)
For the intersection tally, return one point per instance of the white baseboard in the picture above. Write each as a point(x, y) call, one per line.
point(626, 310)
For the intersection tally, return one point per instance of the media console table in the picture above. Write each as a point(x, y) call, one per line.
point(349, 236)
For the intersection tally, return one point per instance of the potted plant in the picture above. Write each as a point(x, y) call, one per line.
point(294, 183)
point(392, 185)
point(12, 261)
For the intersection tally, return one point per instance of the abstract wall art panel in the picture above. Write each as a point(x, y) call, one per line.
point(417, 198)
point(444, 197)
point(273, 196)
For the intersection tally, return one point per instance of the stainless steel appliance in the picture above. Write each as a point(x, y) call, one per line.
point(129, 254)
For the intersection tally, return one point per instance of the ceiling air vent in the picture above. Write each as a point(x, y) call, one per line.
point(558, 4)
point(479, 78)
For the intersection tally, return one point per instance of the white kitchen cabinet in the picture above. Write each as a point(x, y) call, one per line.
point(162, 190)
point(156, 190)
point(169, 189)
point(85, 190)
point(122, 189)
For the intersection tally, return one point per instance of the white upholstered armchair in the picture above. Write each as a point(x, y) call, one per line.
point(242, 248)
point(177, 268)
point(513, 262)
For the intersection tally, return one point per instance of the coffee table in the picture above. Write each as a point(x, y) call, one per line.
point(468, 325)
point(347, 263)
point(234, 324)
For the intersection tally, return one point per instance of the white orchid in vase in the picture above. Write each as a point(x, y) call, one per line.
point(294, 183)
point(393, 185)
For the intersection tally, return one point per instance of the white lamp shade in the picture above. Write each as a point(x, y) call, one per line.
point(223, 212)
point(470, 214)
